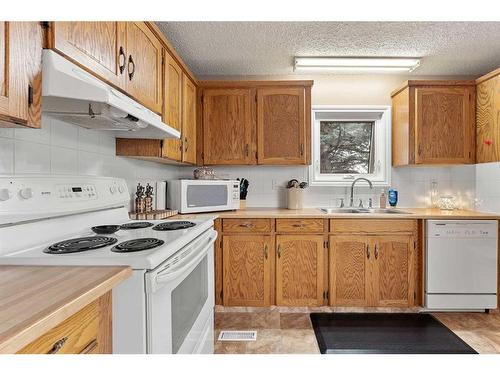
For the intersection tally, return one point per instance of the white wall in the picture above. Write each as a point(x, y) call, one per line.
point(488, 187)
point(62, 148)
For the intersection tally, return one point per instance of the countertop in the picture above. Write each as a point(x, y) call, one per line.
point(34, 299)
point(412, 213)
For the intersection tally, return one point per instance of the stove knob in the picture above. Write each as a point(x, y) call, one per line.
point(121, 189)
point(112, 189)
point(26, 193)
point(5, 194)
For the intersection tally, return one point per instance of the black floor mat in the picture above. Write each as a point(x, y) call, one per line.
point(385, 333)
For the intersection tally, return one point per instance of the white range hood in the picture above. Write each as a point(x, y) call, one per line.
point(75, 96)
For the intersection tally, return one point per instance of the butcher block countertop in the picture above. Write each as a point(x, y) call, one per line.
point(283, 213)
point(34, 299)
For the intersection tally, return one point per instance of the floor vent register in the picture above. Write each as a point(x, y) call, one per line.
point(238, 336)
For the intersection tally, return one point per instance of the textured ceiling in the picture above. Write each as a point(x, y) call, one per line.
point(268, 48)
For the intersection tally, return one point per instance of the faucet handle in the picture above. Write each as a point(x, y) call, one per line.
point(341, 202)
point(361, 203)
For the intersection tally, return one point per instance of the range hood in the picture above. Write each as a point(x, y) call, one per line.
point(75, 96)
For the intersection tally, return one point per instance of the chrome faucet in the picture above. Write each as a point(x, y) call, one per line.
point(352, 190)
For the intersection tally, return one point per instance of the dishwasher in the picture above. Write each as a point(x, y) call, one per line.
point(461, 261)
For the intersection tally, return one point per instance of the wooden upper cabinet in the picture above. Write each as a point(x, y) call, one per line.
point(281, 125)
point(392, 265)
point(172, 106)
point(20, 74)
point(229, 126)
point(247, 270)
point(125, 54)
point(144, 66)
point(433, 123)
point(100, 47)
point(488, 118)
point(188, 120)
point(348, 270)
point(300, 270)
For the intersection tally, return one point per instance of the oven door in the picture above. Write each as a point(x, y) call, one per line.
point(180, 300)
point(205, 196)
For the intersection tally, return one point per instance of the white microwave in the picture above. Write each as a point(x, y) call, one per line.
point(191, 196)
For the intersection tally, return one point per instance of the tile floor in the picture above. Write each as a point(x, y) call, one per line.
point(289, 331)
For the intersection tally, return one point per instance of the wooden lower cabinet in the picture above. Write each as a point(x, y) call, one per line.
point(372, 270)
point(86, 332)
point(348, 270)
point(300, 270)
point(247, 270)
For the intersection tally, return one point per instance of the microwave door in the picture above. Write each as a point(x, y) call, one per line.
point(214, 197)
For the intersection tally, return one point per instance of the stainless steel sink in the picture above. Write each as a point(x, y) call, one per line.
point(351, 210)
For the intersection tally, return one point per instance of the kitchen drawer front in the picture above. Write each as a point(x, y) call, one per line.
point(79, 334)
point(300, 225)
point(247, 225)
point(372, 226)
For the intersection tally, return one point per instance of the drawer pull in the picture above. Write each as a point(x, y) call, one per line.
point(301, 225)
point(57, 346)
point(265, 252)
point(279, 251)
point(91, 346)
point(246, 225)
point(376, 251)
point(367, 251)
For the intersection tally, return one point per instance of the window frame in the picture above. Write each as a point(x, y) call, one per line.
point(381, 115)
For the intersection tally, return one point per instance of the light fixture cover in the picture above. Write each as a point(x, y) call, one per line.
point(362, 64)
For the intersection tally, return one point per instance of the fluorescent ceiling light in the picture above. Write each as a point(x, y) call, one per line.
point(356, 64)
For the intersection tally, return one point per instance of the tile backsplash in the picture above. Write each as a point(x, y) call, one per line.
point(267, 185)
point(488, 187)
point(66, 149)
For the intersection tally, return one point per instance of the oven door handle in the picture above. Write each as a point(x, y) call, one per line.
point(170, 274)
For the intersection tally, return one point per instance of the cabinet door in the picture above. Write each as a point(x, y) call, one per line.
point(98, 46)
point(188, 120)
point(281, 126)
point(348, 270)
point(392, 267)
point(20, 74)
point(172, 106)
point(144, 68)
point(444, 125)
point(299, 270)
point(229, 126)
point(247, 270)
point(488, 121)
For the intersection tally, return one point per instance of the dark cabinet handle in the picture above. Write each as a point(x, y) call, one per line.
point(279, 251)
point(367, 251)
point(91, 346)
point(187, 145)
point(265, 251)
point(131, 62)
point(57, 345)
point(122, 59)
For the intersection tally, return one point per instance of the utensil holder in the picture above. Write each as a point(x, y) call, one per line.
point(294, 198)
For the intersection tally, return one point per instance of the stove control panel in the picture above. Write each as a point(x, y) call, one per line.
point(31, 197)
point(80, 192)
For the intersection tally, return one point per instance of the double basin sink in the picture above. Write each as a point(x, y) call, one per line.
point(353, 210)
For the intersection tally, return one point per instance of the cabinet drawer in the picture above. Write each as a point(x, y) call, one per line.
point(372, 226)
point(246, 225)
point(299, 225)
point(78, 334)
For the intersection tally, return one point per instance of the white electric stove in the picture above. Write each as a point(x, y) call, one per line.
point(167, 305)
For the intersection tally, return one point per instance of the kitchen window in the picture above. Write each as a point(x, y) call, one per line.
point(350, 142)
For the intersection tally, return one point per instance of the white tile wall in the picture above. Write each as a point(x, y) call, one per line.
point(62, 148)
point(267, 185)
point(488, 187)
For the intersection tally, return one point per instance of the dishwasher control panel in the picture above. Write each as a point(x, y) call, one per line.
point(462, 229)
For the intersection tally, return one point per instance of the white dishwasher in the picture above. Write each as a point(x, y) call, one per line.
point(461, 264)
